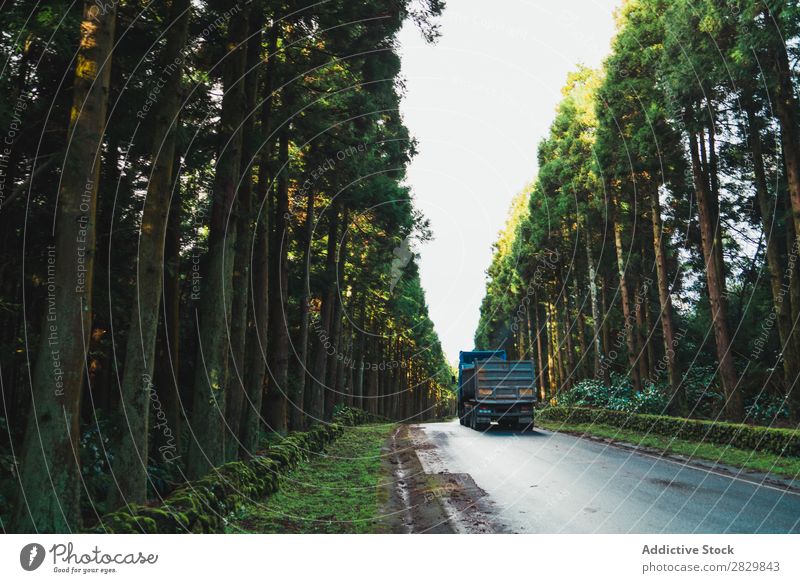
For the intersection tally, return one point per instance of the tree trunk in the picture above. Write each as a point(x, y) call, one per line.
point(277, 394)
point(256, 345)
point(569, 361)
point(49, 474)
point(137, 389)
point(167, 362)
point(333, 395)
point(774, 263)
point(243, 260)
point(300, 376)
point(786, 111)
point(207, 449)
point(708, 208)
point(629, 323)
point(596, 319)
point(605, 364)
point(541, 374)
point(323, 328)
point(677, 402)
point(358, 373)
point(641, 333)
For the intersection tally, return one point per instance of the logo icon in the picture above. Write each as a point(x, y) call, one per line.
point(31, 556)
point(402, 257)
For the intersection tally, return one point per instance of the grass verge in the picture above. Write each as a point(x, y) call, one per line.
point(336, 491)
point(740, 458)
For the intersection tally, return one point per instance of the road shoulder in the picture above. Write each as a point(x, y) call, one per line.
point(423, 497)
point(731, 462)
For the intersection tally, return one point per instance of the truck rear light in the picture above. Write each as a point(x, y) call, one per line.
point(526, 392)
point(485, 392)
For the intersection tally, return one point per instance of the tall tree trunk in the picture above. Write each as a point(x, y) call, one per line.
point(708, 208)
point(677, 402)
point(785, 104)
point(333, 396)
point(542, 372)
point(358, 373)
point(49, 473)
point(596, 319)
point(130, 463)
point(207, 449)
point(629, 324)
point(640, 330)
point(569, 361)
point(605, 327)
point(789, 356)
point(558, 348)
point(323, 329)
point(552, 370)
point(240, 322)
point(256, 345)
point(301, 374)
point(278, 298)
point(167, 363)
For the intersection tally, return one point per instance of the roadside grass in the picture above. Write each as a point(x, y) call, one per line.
point(751, 460)
point(334, 492)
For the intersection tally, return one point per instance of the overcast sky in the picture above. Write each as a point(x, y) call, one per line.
point(478, 102)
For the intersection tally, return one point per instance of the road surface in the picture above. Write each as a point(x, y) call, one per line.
point(553, 482)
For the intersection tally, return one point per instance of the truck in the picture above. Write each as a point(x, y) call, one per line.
point(494, 390)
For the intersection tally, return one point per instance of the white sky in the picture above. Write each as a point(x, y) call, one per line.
point(478, 102)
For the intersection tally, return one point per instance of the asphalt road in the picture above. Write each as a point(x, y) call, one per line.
point(552, 482)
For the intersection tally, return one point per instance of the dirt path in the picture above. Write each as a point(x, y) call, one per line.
point(421, 497)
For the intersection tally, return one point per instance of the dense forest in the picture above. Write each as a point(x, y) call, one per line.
point(206, 239)
point(652, 264)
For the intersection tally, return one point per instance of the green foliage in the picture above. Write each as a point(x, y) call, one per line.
point(703, 396)
point(205, 505)
point(747, 437)
point(767, 409)
point(333, 493)
point(619, 396)
point(765, 462)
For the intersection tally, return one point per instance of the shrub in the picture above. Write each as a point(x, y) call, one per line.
point(738, 435)
point(703, 397)
point(619, 396)
point(767, 409)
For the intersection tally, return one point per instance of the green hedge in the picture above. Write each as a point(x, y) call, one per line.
point(748, 437)
point(203, 505)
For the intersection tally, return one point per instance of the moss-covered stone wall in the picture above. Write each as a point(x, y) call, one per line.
point(204, 505)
